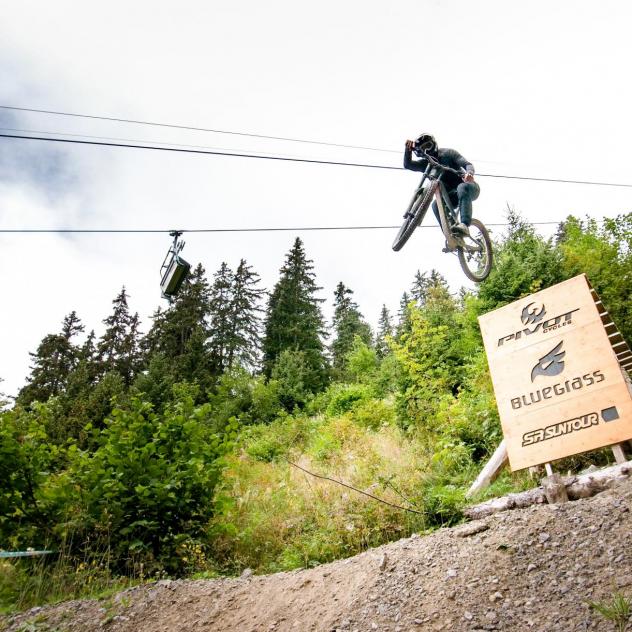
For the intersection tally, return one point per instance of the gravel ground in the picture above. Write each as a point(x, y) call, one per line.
point(530, 569)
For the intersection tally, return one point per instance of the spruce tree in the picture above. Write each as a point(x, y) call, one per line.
point(347, 324)
point(4, 401)
point(221, 318)
point(403, 315)
point(384, 331)
point(56, 356)
point(175, 348)
point(294, 320)
point(423, 283)
point(419, 288)
point(244, 346)
point(118, 349)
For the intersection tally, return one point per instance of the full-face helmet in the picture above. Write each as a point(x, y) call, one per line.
point(426, 143)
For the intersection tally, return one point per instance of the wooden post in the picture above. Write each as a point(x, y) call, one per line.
point(549, 469)
point(490, 471)
point(554, 488)
point(619, 454)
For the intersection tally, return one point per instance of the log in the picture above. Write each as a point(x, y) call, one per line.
point(580, 486)
point(554, 489)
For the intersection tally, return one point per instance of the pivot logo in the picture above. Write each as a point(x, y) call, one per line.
point(551, 364)
point(532, 316)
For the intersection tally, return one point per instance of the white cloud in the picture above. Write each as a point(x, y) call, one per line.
point(538, 90)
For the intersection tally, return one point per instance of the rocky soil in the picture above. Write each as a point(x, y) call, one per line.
point(531, 569)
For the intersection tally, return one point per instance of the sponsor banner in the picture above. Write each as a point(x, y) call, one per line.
point(554, 373)
point(570, 428)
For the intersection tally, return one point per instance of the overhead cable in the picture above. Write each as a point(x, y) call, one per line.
point(289, 159)
point(195, 129)
point(197, 151)
point(32, 133)
point(226, 230)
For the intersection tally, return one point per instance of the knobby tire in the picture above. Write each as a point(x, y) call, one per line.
point(414, 217)
point(483, 259)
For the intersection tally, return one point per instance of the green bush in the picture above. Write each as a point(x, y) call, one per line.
point(248, 398)
point(28, 461)
point(443, 505)
point(292, 374)
point(373, 413)
point(148, 487)
point(344, 397)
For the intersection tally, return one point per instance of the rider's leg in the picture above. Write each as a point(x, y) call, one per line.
point(467, 193)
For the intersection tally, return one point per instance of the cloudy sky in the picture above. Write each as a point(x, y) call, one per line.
point(535, 89)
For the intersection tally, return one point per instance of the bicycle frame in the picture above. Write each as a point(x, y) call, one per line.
point(443, 201)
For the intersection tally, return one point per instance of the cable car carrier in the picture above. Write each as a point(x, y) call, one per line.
point(174, 268)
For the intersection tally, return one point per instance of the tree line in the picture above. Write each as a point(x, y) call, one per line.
point(211, 328)
point(121, 440)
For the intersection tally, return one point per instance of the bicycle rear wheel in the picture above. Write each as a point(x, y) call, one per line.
point(414, 217)
point(475, 256)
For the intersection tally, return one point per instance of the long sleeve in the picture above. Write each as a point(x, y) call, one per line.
point(413, 165)
point(458, 161)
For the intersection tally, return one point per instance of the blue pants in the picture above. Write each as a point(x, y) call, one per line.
point(463, 196)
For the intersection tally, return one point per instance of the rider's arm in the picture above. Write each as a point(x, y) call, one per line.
point(410, 163)
point(459, 162)
point(464, 164)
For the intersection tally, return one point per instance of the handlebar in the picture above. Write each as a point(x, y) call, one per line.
point(437, 164)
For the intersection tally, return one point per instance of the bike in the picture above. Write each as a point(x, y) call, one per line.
point(474, 250)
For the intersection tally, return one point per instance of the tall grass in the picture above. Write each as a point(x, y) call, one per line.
point(32, 581)
point(271, 516)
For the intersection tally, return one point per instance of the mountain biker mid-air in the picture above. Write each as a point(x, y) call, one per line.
point(462, 190)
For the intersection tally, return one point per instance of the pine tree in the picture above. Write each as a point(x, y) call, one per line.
point(347, 324)
point(419, 289)
point(4, 401)
point(384, 331)
point(221, 318)
point(403, 315)
point(245, 339)
point(175, 348)
point(294, 320)
point(55, 358)
point(423, 283)
point(118, 349)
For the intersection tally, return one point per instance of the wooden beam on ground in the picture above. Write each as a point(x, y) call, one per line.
point(581, 486)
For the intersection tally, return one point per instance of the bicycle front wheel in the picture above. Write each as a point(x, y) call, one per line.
point(475, 256)
point(413, 217)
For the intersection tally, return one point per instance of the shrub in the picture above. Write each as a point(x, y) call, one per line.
point(248, 398)
point(373, 413)
point(28, 459)
point(344, 397)
point(292, 374)
point(148, 487)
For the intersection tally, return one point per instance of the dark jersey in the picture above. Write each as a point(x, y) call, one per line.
point(447, 157)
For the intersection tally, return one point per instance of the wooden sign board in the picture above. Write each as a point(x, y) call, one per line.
point(556, 366)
